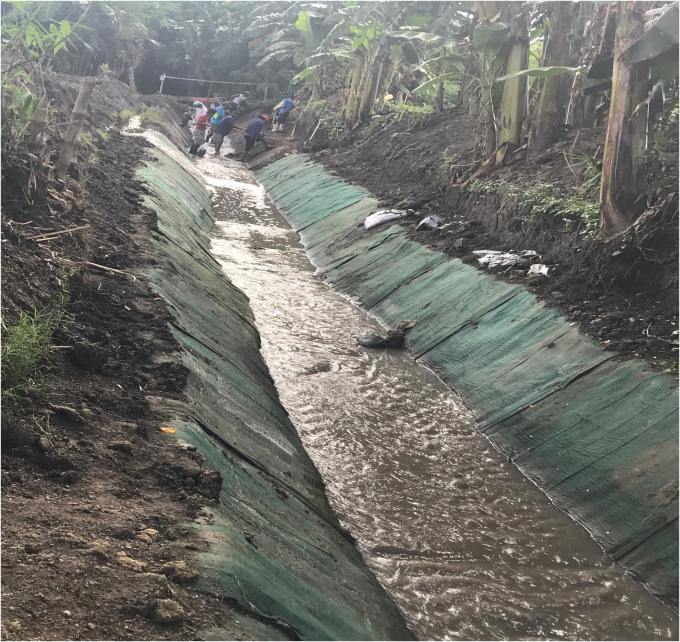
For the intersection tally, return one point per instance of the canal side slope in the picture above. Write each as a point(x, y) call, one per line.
point(598, 434)
point(276, 547)
point(153, 485)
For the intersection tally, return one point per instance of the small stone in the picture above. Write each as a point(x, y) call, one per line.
point(123, 445)
point(209, 483)
point(15, 625)
point(67, 613)
point(458, 243)
point(129, 562)
point(32, 548)
point(168, 612)
point(179, 571)
point(148, 535)
point(90, 626)
point(98, 549)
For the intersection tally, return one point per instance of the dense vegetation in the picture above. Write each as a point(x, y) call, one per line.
point(525, 71)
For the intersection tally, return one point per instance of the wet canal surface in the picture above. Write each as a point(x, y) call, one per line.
point(464, 544)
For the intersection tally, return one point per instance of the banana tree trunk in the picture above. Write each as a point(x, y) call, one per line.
point(439, 99)
point(131, 78)
point(624, 148)
point(514, 92)
point(371, 78)
point(554, 96)
point(378, 86)
point(67, 152)
point(352, 102)
point(586, 41)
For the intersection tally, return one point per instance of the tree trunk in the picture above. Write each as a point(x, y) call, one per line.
point(66, 154)
point(131, 79)
point(439, 100)
point(623, 156)
point(351, 108)
point(585, 45)
point(371, 75)
point(554, 97)
point(378, 87)
point(514, 92)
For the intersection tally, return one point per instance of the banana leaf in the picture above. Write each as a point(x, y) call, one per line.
point(541, 72)
point(434, 81)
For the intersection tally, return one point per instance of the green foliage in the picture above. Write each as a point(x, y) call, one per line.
point(430, 84)
point(19, 103)
point(25, 348)
point(488, 38)
point(661, 159)
point(542, 199)
point(27, 41)
point(541, 72)
point(147, 114)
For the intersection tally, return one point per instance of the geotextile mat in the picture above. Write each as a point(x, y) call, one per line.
point(276, 548)
point(599, 435)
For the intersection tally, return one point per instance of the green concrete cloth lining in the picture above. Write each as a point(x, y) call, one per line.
point(276, 549)
point(598, 435)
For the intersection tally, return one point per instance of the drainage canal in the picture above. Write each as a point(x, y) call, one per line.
point(466, 546)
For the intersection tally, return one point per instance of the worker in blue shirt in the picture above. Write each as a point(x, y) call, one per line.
point(281, 112)
point(253, 133)
point(221, 130)
point(219, 113)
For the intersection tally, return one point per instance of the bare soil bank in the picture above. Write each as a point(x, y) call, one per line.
point(94, 494)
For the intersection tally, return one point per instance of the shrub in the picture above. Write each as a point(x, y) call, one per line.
point(25, 347)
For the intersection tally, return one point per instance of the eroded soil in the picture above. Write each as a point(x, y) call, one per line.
point(95, 497)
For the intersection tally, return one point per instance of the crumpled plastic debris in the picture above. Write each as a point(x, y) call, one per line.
point(433, 222)
point(497, 260)
point(537, 269)
point(385, 216)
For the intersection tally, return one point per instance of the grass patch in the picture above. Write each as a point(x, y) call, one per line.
point(542, 199)
point(25, 348)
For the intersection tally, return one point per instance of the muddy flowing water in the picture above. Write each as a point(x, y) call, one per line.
point(467, 548)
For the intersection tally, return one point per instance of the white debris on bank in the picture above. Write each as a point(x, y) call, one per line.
point(497, 260)
point(433, 222)
point(385, 216)
point(538, 269)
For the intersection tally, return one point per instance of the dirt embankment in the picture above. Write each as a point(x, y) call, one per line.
point(623, 292)
point(94, 494)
